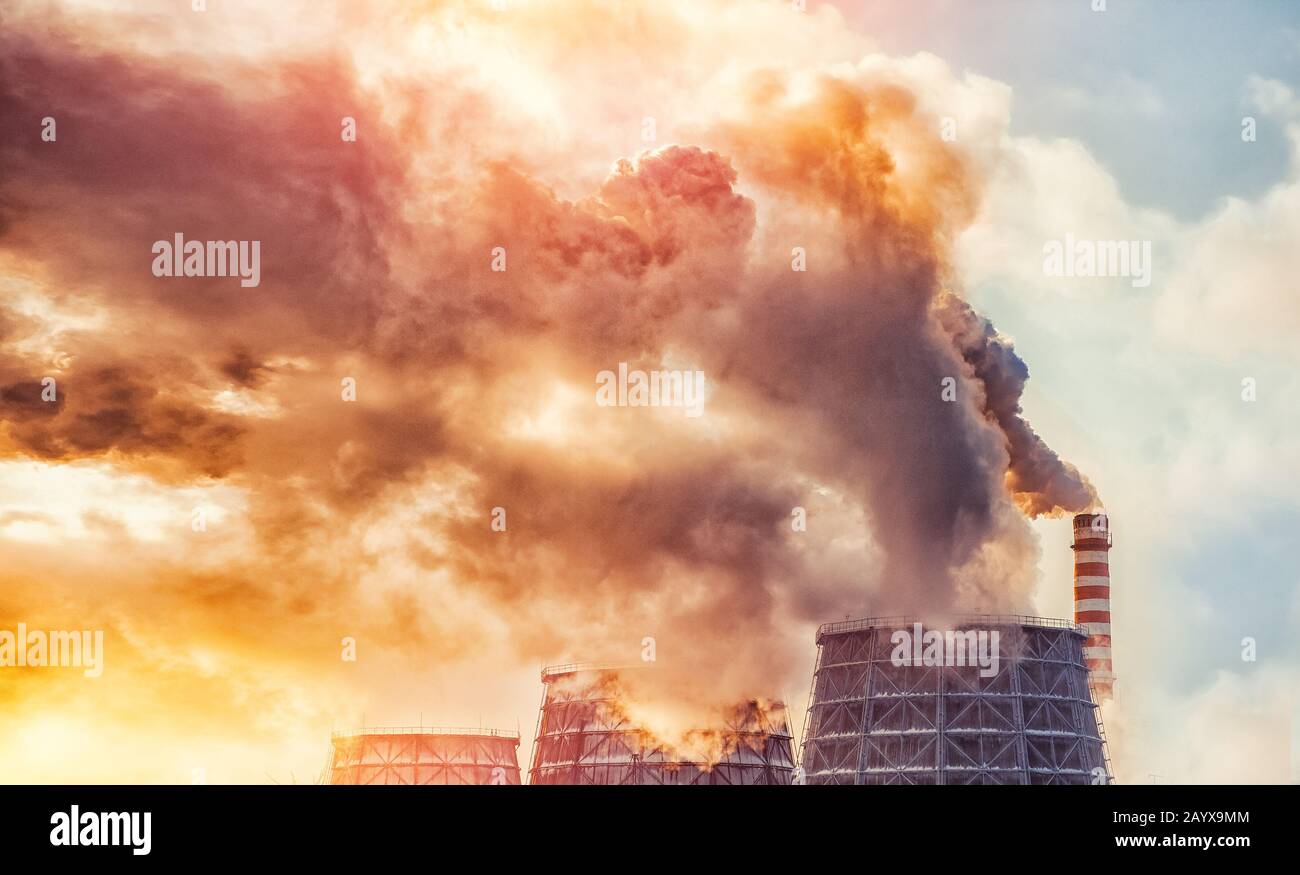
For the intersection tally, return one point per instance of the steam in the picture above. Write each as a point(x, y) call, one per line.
point(645, 702)
point(476, 387)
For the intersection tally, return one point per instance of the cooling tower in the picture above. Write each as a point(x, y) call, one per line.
point(898, 701)
point(1091, 548)
point(423, 755)
point(585, 737)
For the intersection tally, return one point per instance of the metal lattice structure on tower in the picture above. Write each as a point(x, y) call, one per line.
point(878, 716)
point(423, 755)
point(584, 737)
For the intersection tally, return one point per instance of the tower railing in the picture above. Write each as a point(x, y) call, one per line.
point(573, 667)
point(425, 730)
point(909, 619)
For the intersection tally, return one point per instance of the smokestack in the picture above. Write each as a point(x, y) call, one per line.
point(1092, 597)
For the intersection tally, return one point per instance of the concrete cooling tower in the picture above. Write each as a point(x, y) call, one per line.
point(584, 736)
point(971, 700)
point(423, 755)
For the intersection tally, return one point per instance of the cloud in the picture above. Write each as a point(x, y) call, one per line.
point(1235, 730)
point(1223, 300)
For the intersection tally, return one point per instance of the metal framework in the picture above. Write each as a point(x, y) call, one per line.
point(423, 755)
point(583, 737)
point(1033, 721)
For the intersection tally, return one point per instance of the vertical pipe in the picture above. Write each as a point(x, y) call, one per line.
point(1091, 548)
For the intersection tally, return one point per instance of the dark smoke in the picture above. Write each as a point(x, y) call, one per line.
point(826, 384)
point(1042, 483)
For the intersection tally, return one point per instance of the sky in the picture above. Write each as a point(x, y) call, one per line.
point(394, 438)
point(1162, 133)
point(1115, 80)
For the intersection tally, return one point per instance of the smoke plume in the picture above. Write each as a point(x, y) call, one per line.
point(856, 390)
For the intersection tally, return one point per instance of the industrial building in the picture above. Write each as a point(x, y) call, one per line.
point(423, 755)
point(888, 709)
point(968, 699)
point(585, 737)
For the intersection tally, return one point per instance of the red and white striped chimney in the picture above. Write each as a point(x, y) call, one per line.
point(1092, 597)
